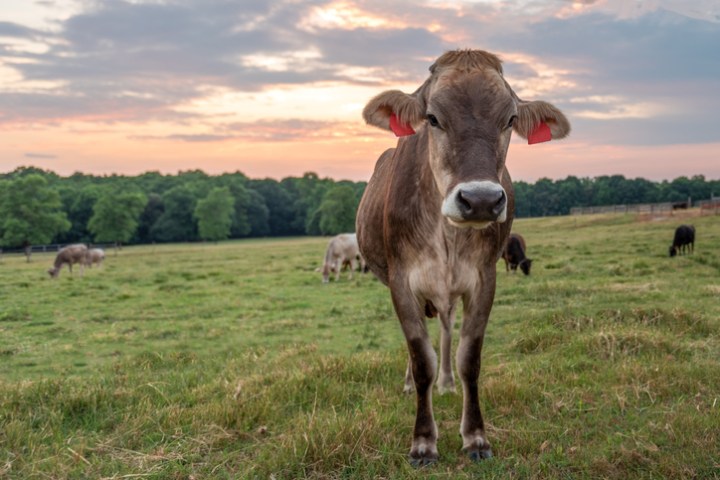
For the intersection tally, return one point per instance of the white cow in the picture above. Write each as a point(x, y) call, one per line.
point(341, 250)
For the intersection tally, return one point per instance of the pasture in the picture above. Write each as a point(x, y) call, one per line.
point(232, 360)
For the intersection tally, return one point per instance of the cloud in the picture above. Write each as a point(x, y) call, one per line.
point(657, 68)
point(610, 67)
point(40, 156)
point(271, 130)
point(11, 29)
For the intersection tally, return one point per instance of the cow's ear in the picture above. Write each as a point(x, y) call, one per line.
point(395, 110)
point(540, 121)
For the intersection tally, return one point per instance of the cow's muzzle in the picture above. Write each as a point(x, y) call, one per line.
point(476, 204)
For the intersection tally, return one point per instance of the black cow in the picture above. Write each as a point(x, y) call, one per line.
point(684, 240)
point(514, 254)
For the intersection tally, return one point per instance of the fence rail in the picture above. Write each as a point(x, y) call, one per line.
point(52, 247)
point(710, 206)
point(664, 208)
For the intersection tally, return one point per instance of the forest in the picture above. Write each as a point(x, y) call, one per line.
point(40, 207)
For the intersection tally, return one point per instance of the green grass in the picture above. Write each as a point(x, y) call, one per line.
point(234, 361)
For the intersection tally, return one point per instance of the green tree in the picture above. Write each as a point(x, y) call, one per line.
point(237, 184)
point(281, 207)
point(116, 216)
point(337, 210)
point(152, 211)
point(30, 213)
point(215, 213)
point(258, 214)
point(176, 224)
point(78, 204)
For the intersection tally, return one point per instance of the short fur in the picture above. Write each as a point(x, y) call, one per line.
point(428, 259)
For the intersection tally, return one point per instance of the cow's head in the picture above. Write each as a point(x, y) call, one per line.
point(467, 112)
point(525, 265)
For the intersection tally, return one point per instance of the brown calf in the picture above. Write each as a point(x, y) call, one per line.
point(70, 255)
point(435, 216)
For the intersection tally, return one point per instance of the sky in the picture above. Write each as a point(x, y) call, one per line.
point(276, 88)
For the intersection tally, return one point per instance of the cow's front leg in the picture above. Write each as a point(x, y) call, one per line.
point(477, 307)
point(424, 365)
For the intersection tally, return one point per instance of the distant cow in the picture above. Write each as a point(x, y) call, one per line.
point(435, 216)
point(684, 240)
point(514, 254)
point(341, 250)
point(95, 256)
point(69, 256)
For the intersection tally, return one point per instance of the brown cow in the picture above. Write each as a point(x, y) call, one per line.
point(435, 216)
point(70, 255)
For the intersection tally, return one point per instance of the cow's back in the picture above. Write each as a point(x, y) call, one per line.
point(369, 221)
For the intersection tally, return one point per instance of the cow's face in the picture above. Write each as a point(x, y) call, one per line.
point(467, 112)
point(469, 117)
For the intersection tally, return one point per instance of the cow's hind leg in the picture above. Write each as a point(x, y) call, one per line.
point(352, 268)
point(446, 379)
point(409, 386)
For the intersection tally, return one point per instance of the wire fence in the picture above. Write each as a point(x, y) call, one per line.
point(664, 208)
point(711, 206)
point(49, 248)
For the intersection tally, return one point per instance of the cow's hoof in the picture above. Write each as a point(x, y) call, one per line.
point(446, 388)
point(422, 461)
point(408, 389)
point(422, 454)
point(477, 455)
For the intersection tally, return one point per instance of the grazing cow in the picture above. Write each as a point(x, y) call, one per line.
point(341, 250)
point(684, 240)
point(95, 256)
point(70, 255)
point(514, 254)
point(435, 216)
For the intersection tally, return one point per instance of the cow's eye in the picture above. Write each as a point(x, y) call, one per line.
point(432, 120)
point(512, 121)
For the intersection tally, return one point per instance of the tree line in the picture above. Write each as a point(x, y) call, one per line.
point(41, 207)
point(556, 197)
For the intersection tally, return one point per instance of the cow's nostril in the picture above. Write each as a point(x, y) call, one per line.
point(463, 203)
point(500, 204)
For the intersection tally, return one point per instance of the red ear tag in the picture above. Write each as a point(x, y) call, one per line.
point(540, 134)
point(399, 129)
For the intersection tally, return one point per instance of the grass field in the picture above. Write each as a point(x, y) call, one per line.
point(233, 361)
